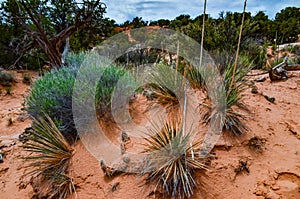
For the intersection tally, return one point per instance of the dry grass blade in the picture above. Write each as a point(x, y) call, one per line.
point(172, 160)
point(50, 156)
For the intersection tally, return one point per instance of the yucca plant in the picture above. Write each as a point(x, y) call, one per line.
point(233, 118)
point(166, 86)
point(50, 157)
point(172, 159)
point(196, 78)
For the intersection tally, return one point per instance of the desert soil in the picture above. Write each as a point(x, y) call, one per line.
point(269, 168)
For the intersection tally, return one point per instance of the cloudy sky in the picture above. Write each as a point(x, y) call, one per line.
point(122, 10)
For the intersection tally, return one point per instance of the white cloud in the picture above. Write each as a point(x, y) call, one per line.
point(169, 9)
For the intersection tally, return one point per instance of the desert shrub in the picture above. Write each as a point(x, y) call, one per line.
point(75, 59)
point(172, 159)
point(195, 77)
point(7, 79)
point(52, 95)
point(49, 158)
point(8, 91)
point(255, 52)
point(233, 118)
point(105, 87)
point(166, 86)
point(26, 78)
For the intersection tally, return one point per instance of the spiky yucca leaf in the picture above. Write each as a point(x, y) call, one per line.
point(195, 78)
point(50, 156)
point(166, 86)
point(172, 160)
point(233, 94)
point(63, 186)
point(233, 118)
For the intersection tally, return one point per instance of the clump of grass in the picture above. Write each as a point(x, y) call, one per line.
point(8, 90)
point(256, 144)
point(166, 86)
point(7, 79)
point(26, 78)
point(50, 157)
point(10, 121)
point(195, 78)
point(233, 118)
point(172, 159)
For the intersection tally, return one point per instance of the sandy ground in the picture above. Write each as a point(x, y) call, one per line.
point(272, 171)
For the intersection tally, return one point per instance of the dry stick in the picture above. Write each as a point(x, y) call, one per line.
point(238, 49)
point(184, 90)
point(184, 102)
point(202, 36)
point(177, 61)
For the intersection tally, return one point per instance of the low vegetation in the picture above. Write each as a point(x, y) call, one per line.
point(166, 89)
point(172, 159)
point(7, 79)
point(52, 95)
point(49, 159)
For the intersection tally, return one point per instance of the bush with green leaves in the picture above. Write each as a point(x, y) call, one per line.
point(52, 94)
point(7, 79)
point(105, 87)
point(167, 85)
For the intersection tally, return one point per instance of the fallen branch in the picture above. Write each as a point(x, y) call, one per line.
point(292, 67)
point(279, 72)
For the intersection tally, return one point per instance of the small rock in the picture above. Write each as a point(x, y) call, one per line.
point(272, 195)
point(260, 79)
point(126, 159)
point(254, 90)
point(124, 136)
point(270, 99)
point(1, 157)
point(275, 188)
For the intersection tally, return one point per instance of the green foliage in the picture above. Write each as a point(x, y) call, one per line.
point(8, 90)
point(167, 89)
point(7, 79)
point(37, 30)
point(288, 24)
point(180, 22)
point(233, 119)
point(172, 159)
point(52, 95)
point(50, 157)
point(105, 87)
point(26, 78)
point(195, 78)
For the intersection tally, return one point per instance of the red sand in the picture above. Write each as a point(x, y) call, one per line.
point(274, 172)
